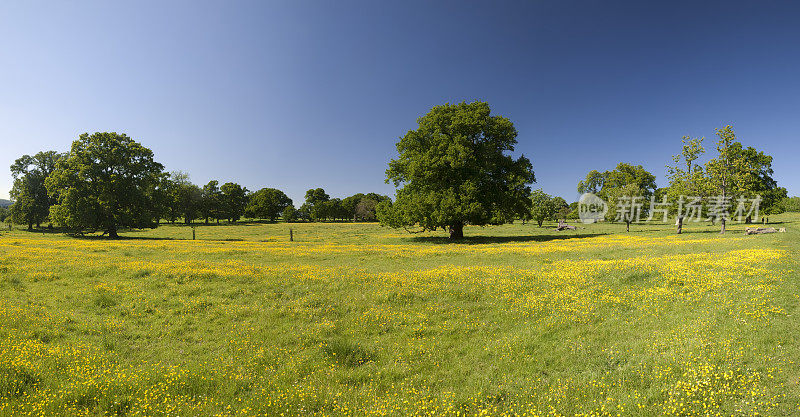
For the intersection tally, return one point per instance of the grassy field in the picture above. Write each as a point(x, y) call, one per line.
point(358, 319)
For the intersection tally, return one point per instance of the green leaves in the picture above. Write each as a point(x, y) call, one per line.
point(267, 203)
point(32, 202)
point(453, 170)
point(604, 183)
point(107, 181)
point(735, 172)
point(543, 207)
point(233, 200)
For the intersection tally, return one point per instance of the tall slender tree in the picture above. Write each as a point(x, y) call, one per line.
point(542, 207)
point(687, 177)
point(726, 171)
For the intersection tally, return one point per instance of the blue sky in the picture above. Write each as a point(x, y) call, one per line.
point(297, 94)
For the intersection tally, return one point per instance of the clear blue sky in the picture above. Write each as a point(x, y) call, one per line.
point(297, 94)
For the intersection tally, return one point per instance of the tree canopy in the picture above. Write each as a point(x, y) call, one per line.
point(626, 183)
point(791, 204)
point(739, 172)
point(184, 198)
point(315, 208)
point(601, 183)
point(542, 207)
point(31, 200)
point(107, 181)
point(735, 172)
point(233, 200)
point(267, 203)
point(453, 170)
point(211, 205)
point(290, 214)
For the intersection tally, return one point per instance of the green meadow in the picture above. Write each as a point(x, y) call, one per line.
point(356, 319)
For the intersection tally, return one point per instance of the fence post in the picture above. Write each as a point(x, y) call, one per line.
point(192, 232)
point(291, 235)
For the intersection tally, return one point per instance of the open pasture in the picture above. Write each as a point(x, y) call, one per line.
point(353, 319)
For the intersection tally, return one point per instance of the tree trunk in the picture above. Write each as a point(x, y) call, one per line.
point(627, 226)
point(680, 224)
point(206, 219)
point(722, 221)
point(30, 226)
point(112, 232)
point(457, 231)
point(540, 222)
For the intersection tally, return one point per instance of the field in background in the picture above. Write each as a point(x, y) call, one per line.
point(359, 319)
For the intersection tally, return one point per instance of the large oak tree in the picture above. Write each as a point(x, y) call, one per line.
point(453, 170)
point(107, 181)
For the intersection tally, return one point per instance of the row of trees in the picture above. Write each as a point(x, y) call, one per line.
point(546, 207)
point(734, 172)
point(108, 181)
point(319, 206)
point(181, 199)
point(790, 204)
point(453, 170)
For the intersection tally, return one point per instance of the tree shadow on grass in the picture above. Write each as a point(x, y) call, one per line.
point(222, 224)
point(43, 230)
point(93, 236)
point(483, 240)
point(106, 238)
point(728, 231)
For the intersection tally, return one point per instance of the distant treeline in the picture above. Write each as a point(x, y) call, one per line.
point(108, 181)
point(188, 202)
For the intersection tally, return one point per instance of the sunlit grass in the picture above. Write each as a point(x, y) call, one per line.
point(357, 319)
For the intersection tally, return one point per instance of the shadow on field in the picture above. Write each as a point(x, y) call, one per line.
point(728, 231)
point(104, 237)
point(222, 224)
point(56, 230)
point(482, 240)
point(43, 230)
